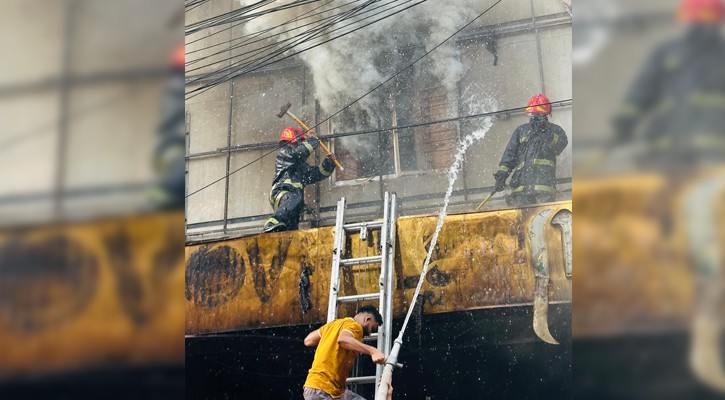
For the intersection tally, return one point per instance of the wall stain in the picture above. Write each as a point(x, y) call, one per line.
point(410, 282)
point(259, 277)
point(214, 276)
point(305, 300)
point(168, 257)
point(436, 277)
point(46, 282)
point(263, 284)
point(128, 281)
point(279, 258)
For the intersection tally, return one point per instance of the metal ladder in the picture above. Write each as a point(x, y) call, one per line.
point(385, 282)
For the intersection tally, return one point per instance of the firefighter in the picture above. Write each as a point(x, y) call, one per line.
point(338, 343)
point(170, 148)
point(530, 157)
point(682, 89)
point(292, 173)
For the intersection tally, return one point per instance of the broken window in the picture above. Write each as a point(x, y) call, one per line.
point(364, 155)
point(429, 147)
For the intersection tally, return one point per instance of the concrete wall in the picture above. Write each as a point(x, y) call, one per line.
point(258, 97)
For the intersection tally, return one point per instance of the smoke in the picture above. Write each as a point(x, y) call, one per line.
point(346, 68)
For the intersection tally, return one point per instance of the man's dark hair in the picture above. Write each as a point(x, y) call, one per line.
point(373, 311)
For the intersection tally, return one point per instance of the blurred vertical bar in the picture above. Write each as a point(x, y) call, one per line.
point(63, 107)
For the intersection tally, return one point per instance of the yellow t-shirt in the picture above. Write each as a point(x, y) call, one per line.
point(332, 363)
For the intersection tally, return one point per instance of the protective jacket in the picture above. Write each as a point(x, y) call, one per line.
point(530, 156)
point(292, 172)
point(682, 89)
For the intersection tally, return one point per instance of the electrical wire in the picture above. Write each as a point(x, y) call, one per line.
point(305, 36)
point(369, 92)
point(408, 66)
point(279, 146)
point(248, 37)
point(241, 15)
point(221, 18)
point(255, 34)
point(189, 6)
point(318, 31)
point(206, 87)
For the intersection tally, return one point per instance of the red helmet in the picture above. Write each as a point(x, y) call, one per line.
point(701, 11)
point(178, 57)
point(291, 135)
point(539, 104)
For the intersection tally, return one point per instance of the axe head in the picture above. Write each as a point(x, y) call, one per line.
point(283, 110)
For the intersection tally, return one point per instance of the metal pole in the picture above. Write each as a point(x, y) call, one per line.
point(538, 48)
point(316, 221)
point(229, 143)
point(380, 165)
point(61, 150)
point(464, 179)
point(229, 155)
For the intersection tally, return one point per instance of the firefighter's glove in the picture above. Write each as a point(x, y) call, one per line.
point(500, 180)
point(329, 162)
point(313, 142)
point(624, 128)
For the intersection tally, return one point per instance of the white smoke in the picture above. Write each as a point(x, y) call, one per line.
point(347, 67)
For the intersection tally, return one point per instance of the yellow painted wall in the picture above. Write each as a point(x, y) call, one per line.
point(481, 260)
point(96, 293)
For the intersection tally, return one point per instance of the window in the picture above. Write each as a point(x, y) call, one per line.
point(365, 155)
point(422, 148)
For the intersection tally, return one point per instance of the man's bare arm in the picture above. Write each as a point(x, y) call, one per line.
point(347, 341)
point(313, 339)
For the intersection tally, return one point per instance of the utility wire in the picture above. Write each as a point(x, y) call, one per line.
point(232, 76)
point(252, 35)
point(319, 33)
point(279, 146)
point(409, 65)
point(188, 7)
point(215, 20)
point(307, 36)
point(366, 94)
point(240, 16)
point(257, 35)
point(358, 99)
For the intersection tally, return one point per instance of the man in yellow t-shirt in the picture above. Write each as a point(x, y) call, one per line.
point(338, 343)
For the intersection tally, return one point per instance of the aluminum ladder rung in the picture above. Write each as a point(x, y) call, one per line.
point(360, 379)
point(372, 338)
point(357, 225)
point(361, 260)
point(358, 297)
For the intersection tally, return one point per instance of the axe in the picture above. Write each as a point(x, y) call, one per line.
point(485, 200)
point(285, 110)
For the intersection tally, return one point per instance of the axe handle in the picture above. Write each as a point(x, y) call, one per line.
point(302, 124)
point(485, 200)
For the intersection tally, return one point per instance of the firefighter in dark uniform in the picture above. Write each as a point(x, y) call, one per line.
point(682, 89)
point(530, 157)
point(292, 173)
point(169, 151)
